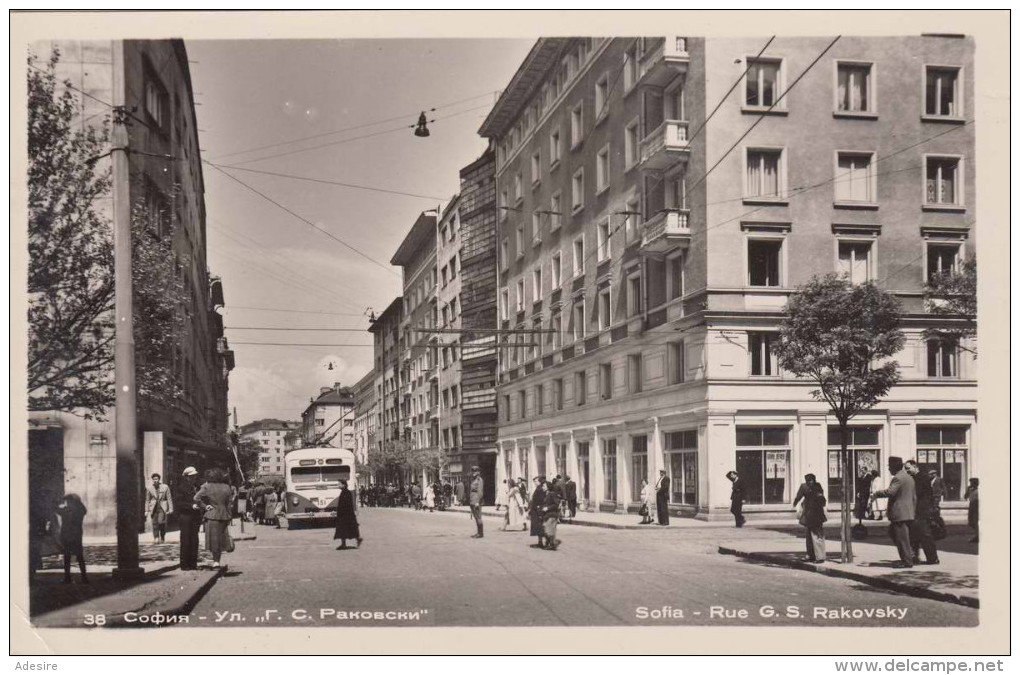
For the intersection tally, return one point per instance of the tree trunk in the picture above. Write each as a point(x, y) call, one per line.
point(846, 504)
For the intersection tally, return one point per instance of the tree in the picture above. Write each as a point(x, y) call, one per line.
point(952, 296)
point(842, 336)
point(248, 450)
point(70, 270)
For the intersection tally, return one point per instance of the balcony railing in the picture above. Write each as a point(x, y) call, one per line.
point(666, 230)
point(664, 61)
point(665, 145)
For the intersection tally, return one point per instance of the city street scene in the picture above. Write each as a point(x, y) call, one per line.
point(569, 331)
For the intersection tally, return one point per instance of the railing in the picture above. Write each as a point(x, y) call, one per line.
point(670, 136)
point(659, 63)
point(666, 224)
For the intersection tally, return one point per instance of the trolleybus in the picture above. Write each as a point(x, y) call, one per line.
point(313, 478)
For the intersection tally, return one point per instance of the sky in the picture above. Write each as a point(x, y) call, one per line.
point(258, 96)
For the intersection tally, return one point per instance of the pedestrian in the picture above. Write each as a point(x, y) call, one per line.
point(346, 519)
point(475, 500)
point(269, 507)
point(280, 510)
point(812, 517)
point(72, 516)
point(971, 495)
point(737, 495)
point(459, 491)
point(447, 494)
point(647, 502)
point(515, 508)
point(535, 511)
point(862, 497)
point(570, 492)
point(501, 495)
point(158, 506)
point(938, 490)
point(522, 486)
point(662, 498)
point(189, 515)
point(429, 501)
point(214, 497)
point(551, 515)
point(901, 510)
point(415, 495)
point(921, 537)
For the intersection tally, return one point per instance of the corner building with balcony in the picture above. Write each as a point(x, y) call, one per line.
point(655, 250)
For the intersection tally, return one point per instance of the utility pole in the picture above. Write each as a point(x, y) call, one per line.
point(129, 509)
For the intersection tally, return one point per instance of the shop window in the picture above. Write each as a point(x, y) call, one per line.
point(583, 471)
point(945, 450)
point(681, 449)
point(540, 460)
point(763, 462)
point(609, 469)
point(865, 456)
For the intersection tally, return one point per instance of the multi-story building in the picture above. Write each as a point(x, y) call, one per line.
point(660, 198)
point(329, 418)
point(365, 415)
point(273, 436)
point(68, 453)
point(385, 331)
point(419, 376)
point(449, 261)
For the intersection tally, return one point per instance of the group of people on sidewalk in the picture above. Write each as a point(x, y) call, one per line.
point(541, 511)
point(439, 494)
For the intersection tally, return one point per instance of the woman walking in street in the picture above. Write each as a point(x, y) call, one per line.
point(215, 497)
point(813, 517)
point(515, 506)
point(346, 519)
point(269, 506)
point(647, 502)
point(429, 501)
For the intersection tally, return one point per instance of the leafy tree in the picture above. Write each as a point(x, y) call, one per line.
point(842, 336)
point(952, 296)
point(70, 270)
point(248, 451)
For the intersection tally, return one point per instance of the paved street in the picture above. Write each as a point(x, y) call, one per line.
point(427, 563)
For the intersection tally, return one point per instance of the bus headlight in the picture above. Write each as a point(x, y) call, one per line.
point(294, 500)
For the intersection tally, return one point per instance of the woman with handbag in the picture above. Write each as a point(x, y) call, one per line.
point(813, 517)
point(215, 497)
point(647, 502)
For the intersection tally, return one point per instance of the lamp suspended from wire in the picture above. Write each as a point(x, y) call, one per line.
point(422, 130)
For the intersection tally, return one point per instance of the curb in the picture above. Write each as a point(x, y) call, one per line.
point(180, 604)
point(878, 582)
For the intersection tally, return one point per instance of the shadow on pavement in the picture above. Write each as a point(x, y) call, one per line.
point(48, 592)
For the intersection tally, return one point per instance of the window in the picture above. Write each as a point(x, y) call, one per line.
point(442, 275)
point(536, 284)
point(601, 97)
point(763, 358)
point(632, 224)
point(506, 407)
point(676, 362)
point(855, 260)
point(863, 444)
point(319, 422)
point(518, 187)
point(609, 469)
point(942, 357)
point(519, 240)
point(606, 381)
point(681, 448)
point(579, 321)
point(536, 228)
point(605, 308)
point(555, 211)
point(634, 298)
point(763, 82)
point(604, 241)
point(536, 168)
point(854, 93)
point(579, 256)
point(638, 465)
point(555, 269)
point(577, 190)
point(944, 449)
point(581, 388)
point(453, 268)
point(554, 148)
point(630, 68)
point(560, 454)
point(556, 326)
point(576, 125)
point(157, 102)
point(631, 145)
point(539, 399)
point(522, 399)
point(503, 203)
point(941, 92)
point(520, 295)
point(763, 462)
point(675, 276)
point(763, 262)
point(557, 392)
point(855, 177)
point(504, 253)
point(764, 178)
point(602, 169)
point(942, 181)
point(635, 374)
point(942, 259)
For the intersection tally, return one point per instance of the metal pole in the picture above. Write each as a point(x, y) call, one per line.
point(128, 493)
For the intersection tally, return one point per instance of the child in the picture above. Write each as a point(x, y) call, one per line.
point(72, 514)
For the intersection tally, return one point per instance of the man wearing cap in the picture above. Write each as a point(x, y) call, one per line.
point(475, 499)
point(190, 517)
point(662, 498)
point(158, 506)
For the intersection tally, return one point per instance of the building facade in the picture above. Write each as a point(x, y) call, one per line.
point(653, 222)
point(329, 418)
point(365, 421)
point(165, 184)
point(449, 262)
point(386, 342)
point(273, 436)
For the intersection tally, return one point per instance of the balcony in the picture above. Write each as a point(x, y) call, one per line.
point(667, 230)
point(665, 145)
point(663, 62)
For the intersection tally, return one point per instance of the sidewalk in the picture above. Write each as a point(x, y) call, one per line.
point(954, 579)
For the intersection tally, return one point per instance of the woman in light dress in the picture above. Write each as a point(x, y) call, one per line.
point(429, 499)
point(647, 502)
point(515, 507)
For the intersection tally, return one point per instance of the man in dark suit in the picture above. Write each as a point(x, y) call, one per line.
point(189, 515)
point(920, 532)
point(475, 499)
point(662, 498)
point(902, 509)
point(570, 493)
point(737, 496)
